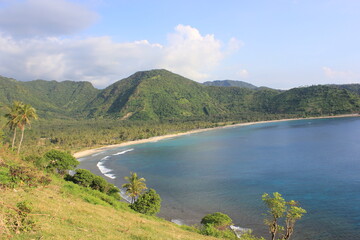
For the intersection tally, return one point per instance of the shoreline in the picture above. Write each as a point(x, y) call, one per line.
point(88, 152)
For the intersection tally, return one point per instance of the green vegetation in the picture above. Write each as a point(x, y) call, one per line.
point(279, 208)
point(218, 220)
point(59, 161)
point(87, 179)
point(148, 203)
point(31, 208)
point(135, 186)
point(160, 95)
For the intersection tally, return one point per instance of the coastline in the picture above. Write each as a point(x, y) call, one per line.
point(88, 152)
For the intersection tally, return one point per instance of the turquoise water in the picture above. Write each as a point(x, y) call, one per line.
point(316, 162)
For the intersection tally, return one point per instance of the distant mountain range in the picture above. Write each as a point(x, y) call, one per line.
point(162, 95)
point(229, 83)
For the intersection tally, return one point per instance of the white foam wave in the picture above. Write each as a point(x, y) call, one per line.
point(239, 230)
point(124, 196)
point(96, 154)
point(104, 170)
point(104, 158)
point(177, 221)
point(123, 152)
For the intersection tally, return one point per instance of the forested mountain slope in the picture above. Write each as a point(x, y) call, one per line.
point(162, 95)
point(50, 98)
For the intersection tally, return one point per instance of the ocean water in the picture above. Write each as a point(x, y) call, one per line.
point(315, 162)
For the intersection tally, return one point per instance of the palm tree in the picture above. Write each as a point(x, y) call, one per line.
point(13, 120)
point(135, 186)
point(26, 112)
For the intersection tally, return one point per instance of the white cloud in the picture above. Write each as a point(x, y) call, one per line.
point(102, 61)
point(340, 75)
point(44, 18)
point(243, 73)
point(190, 53)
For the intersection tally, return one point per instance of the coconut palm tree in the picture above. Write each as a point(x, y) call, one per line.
point(135, 186)
point(26, 113)
point(12, 117)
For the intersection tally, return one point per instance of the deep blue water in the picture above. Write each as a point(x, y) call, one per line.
point(315, 162)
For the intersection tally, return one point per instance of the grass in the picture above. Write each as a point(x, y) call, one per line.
point(63, 210)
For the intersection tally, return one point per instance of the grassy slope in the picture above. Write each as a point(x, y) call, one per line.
point(63, 210)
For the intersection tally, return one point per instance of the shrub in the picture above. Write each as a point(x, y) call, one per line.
point(61, 162)
point(218, 220)
point(83, 177)
point(86, 178)
point(148, 203)
point(100, 184)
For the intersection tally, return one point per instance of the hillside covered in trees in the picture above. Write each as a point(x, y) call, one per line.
point(161, 95)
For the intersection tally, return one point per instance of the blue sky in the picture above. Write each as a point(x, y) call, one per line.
point(275, 43)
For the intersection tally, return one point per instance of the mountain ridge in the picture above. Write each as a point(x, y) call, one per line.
point(159, 94)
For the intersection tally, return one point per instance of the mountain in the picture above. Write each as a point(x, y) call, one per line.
point(229, 83)
point(162, 95)
point(316, 100)
point(50, 98)
point(154, 95)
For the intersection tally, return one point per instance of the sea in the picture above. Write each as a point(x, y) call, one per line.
point(315, 162)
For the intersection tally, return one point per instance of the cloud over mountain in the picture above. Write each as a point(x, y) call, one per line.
point(101, 60)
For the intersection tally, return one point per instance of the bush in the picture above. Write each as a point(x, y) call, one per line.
point(83, 177)
point(100, 184)
point(86, 178)
point(149, 203)
point(61, 162)
point(218, 220)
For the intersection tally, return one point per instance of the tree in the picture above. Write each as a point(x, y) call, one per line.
point(279, 208)
point(60, 161)
point(148, 203)
point(24, 115)
point(13, 119)
point(135, 186)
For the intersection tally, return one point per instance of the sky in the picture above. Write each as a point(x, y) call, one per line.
point(275, 43)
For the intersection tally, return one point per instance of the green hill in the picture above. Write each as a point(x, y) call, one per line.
point(154, 95)
point(162, 95)
point(50, 98)
point(316, 100)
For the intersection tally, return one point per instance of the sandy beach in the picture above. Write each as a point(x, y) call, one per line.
point(157, 138)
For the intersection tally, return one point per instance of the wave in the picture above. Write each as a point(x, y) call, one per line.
point(123, 152)
point(239, 230)
point(124, 196)
point(177, 221)
point(104, 158)
point(96, 154)
point(104, 170)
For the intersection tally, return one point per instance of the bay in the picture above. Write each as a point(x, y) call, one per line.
point(315, 162)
